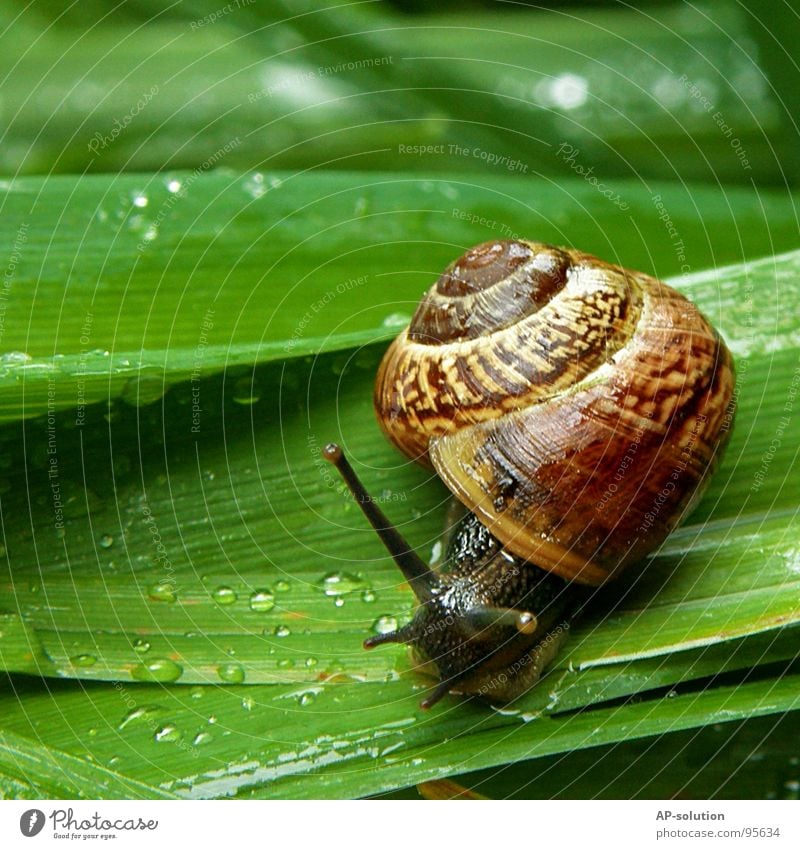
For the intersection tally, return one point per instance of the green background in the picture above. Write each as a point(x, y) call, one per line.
point(213, 220)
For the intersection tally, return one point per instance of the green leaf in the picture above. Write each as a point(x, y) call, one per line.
point(121, 286)
point(735, 760)
point(36, 771)
point(200, 539)
point(340, 740)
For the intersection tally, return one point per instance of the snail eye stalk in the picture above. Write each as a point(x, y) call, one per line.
point(420, 577)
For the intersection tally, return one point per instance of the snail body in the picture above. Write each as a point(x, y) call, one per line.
point(577, 410)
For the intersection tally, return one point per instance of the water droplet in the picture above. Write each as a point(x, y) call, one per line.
point(311, 661)
point(15, 358)
point(368, 596)
point(141, 391)
point(202, 739)
point(340, 364)
point(281, 631)
point(246, 391)
point(140, 200)
point(340, 583)
point(339, 602)
point(165, 591)
point(282, 587)
point(196, 692)
point(285, 663)
point(106, 541)
point(141, 646)
point(248, 703)
point(384, 624)
point(167, 734)
point(208, 475)
point(161, 669)
point(83, 660)
point(122, 465)
point(224, 595)
point(231, 673)
point(255, 187)
point(174, 186)
point(306, 699)
point(140, 715)
point(262, 601)
point(791, 789)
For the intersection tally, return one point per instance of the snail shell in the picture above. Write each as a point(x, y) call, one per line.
point(576, 407)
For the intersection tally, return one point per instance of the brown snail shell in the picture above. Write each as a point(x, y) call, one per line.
point(576, 407)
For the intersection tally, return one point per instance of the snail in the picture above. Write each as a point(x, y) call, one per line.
point(576, 409)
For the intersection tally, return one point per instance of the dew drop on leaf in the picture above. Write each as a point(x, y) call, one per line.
point(306, 699)
point(231, 673)
point(224, 595)
point(341, 583)
point(262, 601)
point(164, 591)
point(141, 391)
point(167, 734)
point(140, 715)
point(161, 669)
point(384, 624)
point(246, 392)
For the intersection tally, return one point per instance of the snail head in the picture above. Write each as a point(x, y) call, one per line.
point(482, 625)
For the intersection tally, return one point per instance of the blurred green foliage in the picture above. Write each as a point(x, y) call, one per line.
point(668, 90)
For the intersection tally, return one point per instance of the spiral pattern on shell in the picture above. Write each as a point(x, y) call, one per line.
point(576, 407)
